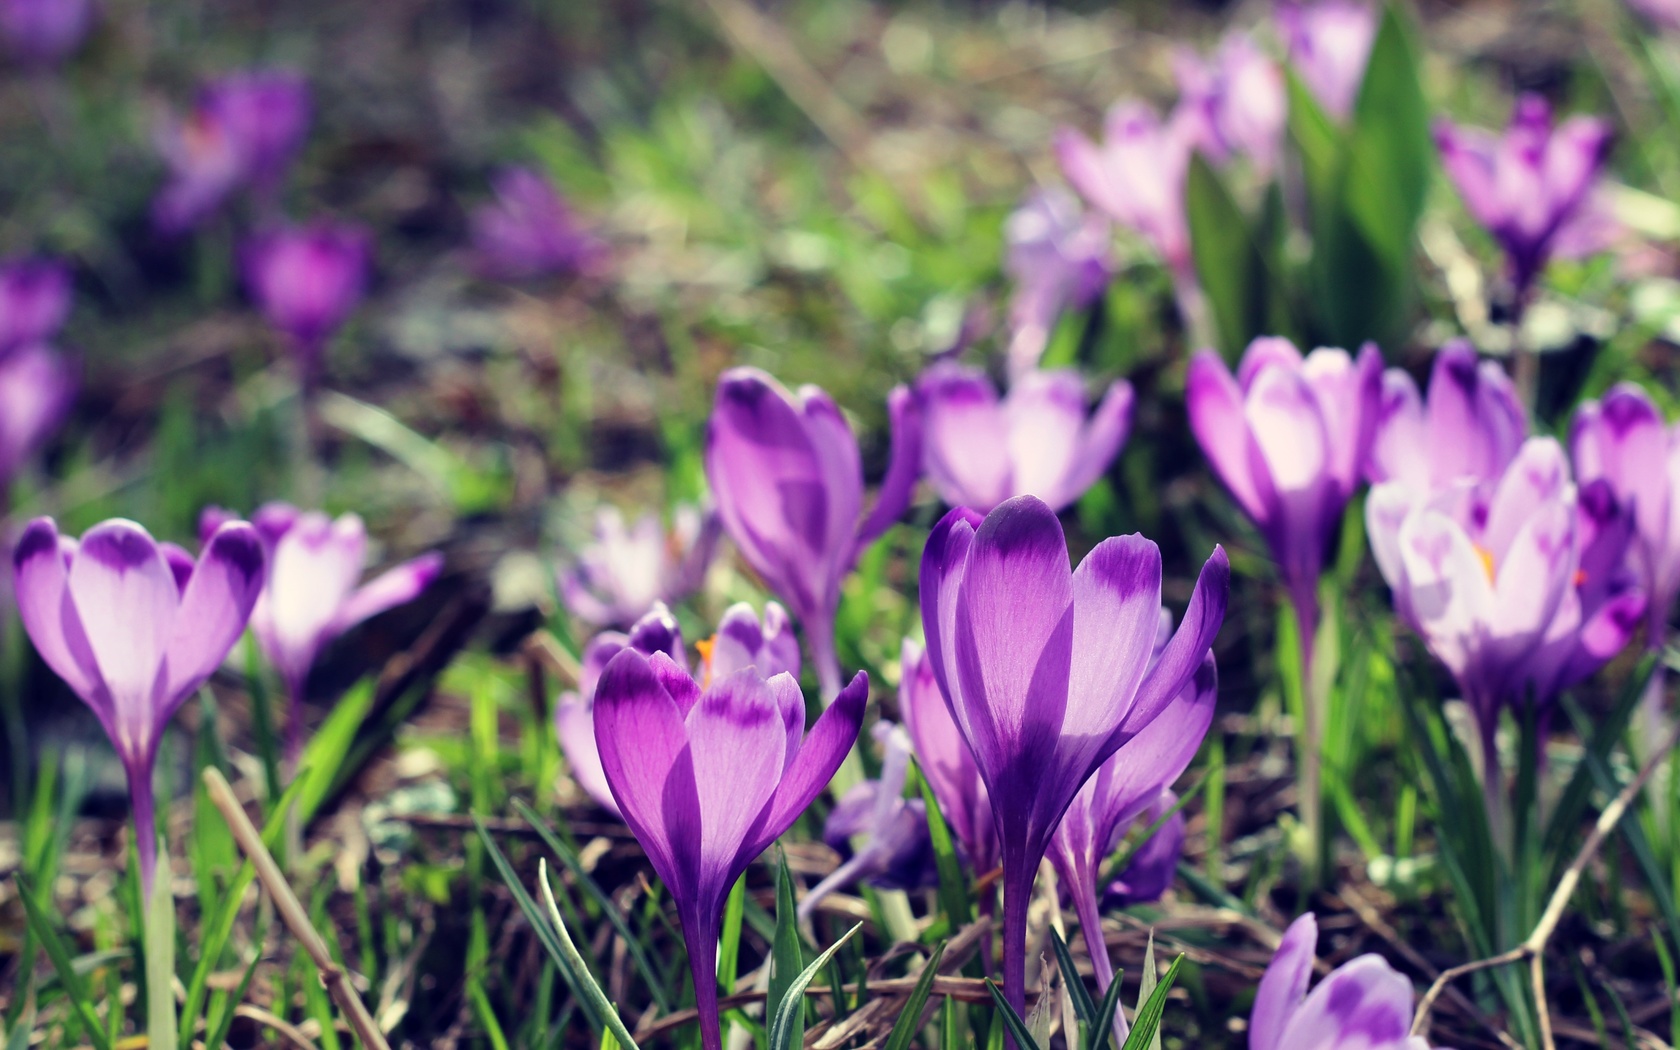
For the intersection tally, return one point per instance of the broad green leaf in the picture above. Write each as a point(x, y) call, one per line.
point(1228, 261)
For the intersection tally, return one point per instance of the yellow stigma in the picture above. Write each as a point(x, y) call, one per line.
point(1487, 562)
point(704, 647)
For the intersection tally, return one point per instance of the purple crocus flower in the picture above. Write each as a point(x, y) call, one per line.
point(1059, 258)
point(133, 634)
point(1329, 43)
point(529, 230)
point(34, 302)
point(1155, 864)
point(44, 32)
point(1235, 102)
point(1130, 783)
point(1136, 177)
point(1665, 13)
point(1623, 441)
point(627, 569)
point(1289, 437)
point(1046, 670)
point(785, 471)
point(1467, 433)
point(742, 640)
point(897, 853)
point(979, 450)
point(945, 762)
point(244, 130)
point(312, 595)
point(1531, 187)
point(307, 280)
point(1521, 591)
point(707, 776)
point(37, 388)
point(1364, 1003)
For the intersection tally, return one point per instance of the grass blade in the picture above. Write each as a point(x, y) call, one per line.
point(1146, 1029)
point(1102, 1029)
point(1011, 1019)
point(790, 1019)
point(1082, 1004)
point(59, 953)
point(953, 887)
point(787, 959)
point(904, 1029)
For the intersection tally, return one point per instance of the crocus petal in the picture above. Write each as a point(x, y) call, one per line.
point(1116, 613)
point(1105, 433)
point(1537, 569)
point(736, 735)
point(214, 608)
point(643, 744)
point(41, 585)
point(1364, 1003)
point(1180, 659)
point(126, 598)
point(1264, 353)
point(390, 589)
point(965, 444)
point(825, 747)
point(1215, 405)
point(1348, 393)
point(1160, 753)
point(1284, 985)
point(944, 560)
point(1399, 446)
point(574, 723)
point(904, 466)
point(1045, 416)
point(1539, 475)
point(1448, 591)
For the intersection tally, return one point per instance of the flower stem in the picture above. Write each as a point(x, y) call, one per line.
point(158, 912)
point(702, 937)
point(1017, 897)
point(1083, 890)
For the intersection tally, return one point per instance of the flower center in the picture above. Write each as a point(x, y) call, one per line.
point(704, 647)
point(1487, 563)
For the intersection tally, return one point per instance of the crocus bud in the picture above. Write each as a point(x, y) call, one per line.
point(1059, 259)
point(307, 280)
point(1289, 438)
point(37, 388)
point(785, 471)
point(529, 230)
point(1047, 670)
point(34, 302)
point(44, 32)
point(1329, 44)
point(243, 131)
point(1466, 434)
point(133, 635)
point(1233, 103)
point(1136, 177)
point(708, 775)
point(1531, 188)
point(1363, 1003)
point(314, 593)
point(620, 576)
point(978, 450)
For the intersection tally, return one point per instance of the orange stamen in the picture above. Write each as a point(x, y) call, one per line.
point(705, 646)
point(1487, 562)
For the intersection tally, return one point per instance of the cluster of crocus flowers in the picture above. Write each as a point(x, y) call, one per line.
point(313, 592)
point(626, 569)
point(1364, 1003)
point(1531, 187)
point(529, 230)
point(242, 133)
point(1134, 781)
point(785, 471)
point(307, 280)
point(1520, 591)
point(979, 450)
point(134, 628)
point(42, 33)
point(708, 774)
point(1235, 101)
point(1047, 671)
point(743, 639)
point(1329, 44)
point(37, 383)
point(1060, 258)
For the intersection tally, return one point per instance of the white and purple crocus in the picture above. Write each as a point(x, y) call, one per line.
point(786, 474)
point(1531, 187)
point(979, 450)
point(1060, 258)
point(1329, 45)
point(1236, 102)
point(134, 627)
point(1463, 436)
point(1047, 670)
point(708, 775)
point(626, 569)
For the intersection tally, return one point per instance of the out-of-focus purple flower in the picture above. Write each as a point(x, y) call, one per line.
point(1530, 187)
point(785, 471)
point(1059, 258)
point(37, 388)
point(34, 302)
point(1136, 177)
point(1234, 103)
point(707, 776)
point(1155, 864)
point(1047, 671)
point(978, 450)
point(1329, 43)
point(1624, 441)
point(314, 592)
point(620, 576)
point(44, 32)
point(1289, 438)
point(244, 129)
point(898, 852)
point(1665, 13)
point(132, 634)
point(529, 230)
point(1364, 1003)
point(1520, 592)
point(307, 280)
point(1130, 783)
point(945, 761)
point(1467, 433)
